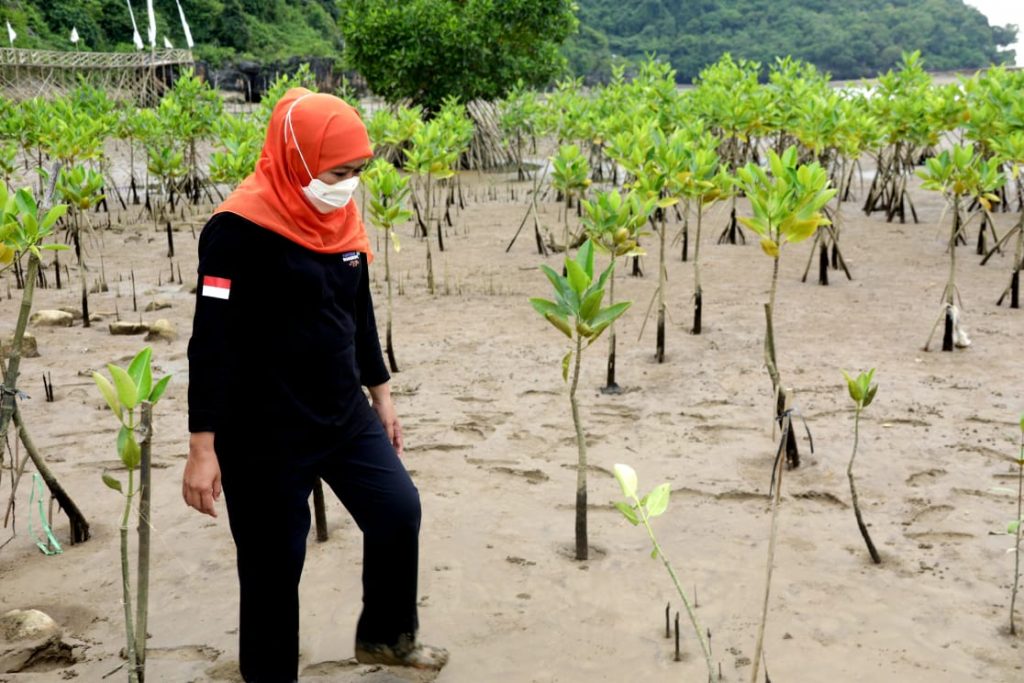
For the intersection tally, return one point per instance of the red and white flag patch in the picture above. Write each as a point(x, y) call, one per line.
point(216, 287)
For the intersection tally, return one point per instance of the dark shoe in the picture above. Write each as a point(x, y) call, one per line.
point(407, 652)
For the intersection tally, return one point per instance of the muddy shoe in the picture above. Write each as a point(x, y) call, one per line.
point(407, 652)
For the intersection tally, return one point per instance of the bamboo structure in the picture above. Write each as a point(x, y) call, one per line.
point(138, 76)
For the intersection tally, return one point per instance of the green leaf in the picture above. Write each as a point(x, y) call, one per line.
point(560, 284)
point(137, 367)
point(112, 483)
point(109, 394)
point(578, 278)
point(628, 512)
point(566, 360)
point(159, 389)
point(585, 259)
point(626, 476)
point(870, 395)
point(560, 323)
point(128, 448)
point(654, 553)
point(126, 391)
point(853, 387)
point(657, 500)
point(1012, 527)
point(610, 314)
point(591, 304)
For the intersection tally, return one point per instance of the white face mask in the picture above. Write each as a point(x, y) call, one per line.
point(326, 198)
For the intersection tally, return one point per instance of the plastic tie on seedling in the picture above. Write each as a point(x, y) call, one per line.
point(45, 541)
point(16, 393)
point(782, 442)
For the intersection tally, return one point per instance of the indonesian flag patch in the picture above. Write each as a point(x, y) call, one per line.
point(216, 287)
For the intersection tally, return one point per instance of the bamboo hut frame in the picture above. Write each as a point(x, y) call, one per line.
point(138, 76)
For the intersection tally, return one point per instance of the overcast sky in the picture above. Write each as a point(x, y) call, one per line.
point(1002, 12)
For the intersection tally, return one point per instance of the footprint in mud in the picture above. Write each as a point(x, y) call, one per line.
point(590, 468)
point(922, 525)
point(371, 673)
point(924, 477)
point(931, 515)
point(531, 476)
point(185, 653)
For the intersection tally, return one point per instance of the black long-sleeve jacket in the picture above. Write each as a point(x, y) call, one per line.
point(283, 338)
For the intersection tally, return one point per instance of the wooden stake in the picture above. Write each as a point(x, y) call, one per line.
point(679, 656)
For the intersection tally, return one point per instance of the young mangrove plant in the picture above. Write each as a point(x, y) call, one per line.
point(577, 313)
point(131, 397)
point(24, 226)
point(1011, 149)
point(81, 189)
point(570, 175)
point(431, 157)
point(959, 174)
point(787, 207)
point(1016, 528)
point(614, 224)
point(702, 183)
point(862, 391)
point(389, 191)
point(640, 511)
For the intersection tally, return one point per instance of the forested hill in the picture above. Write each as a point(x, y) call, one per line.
point(849, 38)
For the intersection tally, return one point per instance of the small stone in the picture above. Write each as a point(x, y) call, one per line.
point(157, 305)
point(24, 636)
point(123, 327)
point(29, 347)
point(52, 319)
point(162, 330)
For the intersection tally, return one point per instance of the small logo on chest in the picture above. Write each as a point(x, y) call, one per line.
point(351, 259)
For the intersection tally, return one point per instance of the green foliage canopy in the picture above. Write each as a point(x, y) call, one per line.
point(428, 50)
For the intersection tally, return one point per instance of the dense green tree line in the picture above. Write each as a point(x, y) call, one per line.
point(266, 30)
point(850, 39)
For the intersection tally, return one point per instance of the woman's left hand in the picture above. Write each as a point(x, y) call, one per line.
point(385, 409)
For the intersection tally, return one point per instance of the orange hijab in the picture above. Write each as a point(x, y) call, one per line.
point(330, 133)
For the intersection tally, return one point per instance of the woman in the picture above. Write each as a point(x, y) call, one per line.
point(283, 341)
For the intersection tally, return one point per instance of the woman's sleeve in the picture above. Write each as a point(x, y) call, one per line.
point(219, 265)
point(372, 370)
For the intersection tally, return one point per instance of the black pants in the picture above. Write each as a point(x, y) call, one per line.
point(267, 493)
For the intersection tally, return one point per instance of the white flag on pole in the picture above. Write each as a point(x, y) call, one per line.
point(11, 35)
point(74, 35)
point(184, 26)
point(152, 23)
point(167, 43)
point(136, 38)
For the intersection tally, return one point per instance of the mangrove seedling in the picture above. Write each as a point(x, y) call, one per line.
point(432, 156)
point(1011, 149)
point(24, 225)
point(577, 313)
point(81, 189)
point(614, 224)
point(862, 391)
point(787, 207)
point(131, 397)
point(959, 174)
point(702, 184)
point(389, 191)
point(570, 175)
point(640, 511)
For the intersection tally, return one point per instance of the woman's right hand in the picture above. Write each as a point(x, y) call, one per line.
point(201, 484)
